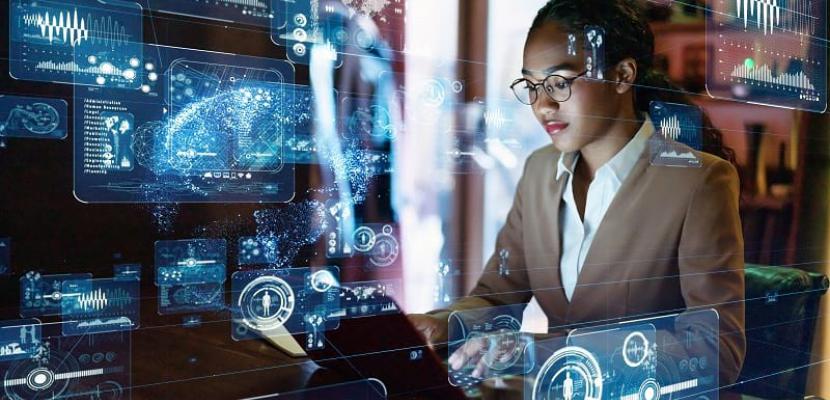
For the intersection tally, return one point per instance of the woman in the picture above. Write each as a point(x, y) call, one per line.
point(596, 232)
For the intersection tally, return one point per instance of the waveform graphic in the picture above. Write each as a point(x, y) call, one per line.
point(71, 29)
point(62, 26)
point(100, 299)
point(495, 118)
point(797, 16)
point(670, 127)
point(95, 300)
point(108, 31)
point(763, 73)
point(768, 13)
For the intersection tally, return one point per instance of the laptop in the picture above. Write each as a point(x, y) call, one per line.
point(384, 347)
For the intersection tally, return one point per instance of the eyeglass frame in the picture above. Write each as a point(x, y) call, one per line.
point(535, 87)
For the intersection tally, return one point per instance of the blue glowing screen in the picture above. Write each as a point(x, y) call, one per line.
point(368, 298)
point(674, 356)
point(204, 127)
point(31, 117)
point(290, 300)
point(99, 305)
point(491, 328)
point(19, 339)
point(41, 295)
point(249, 12)
point(87, 366)
point(675, 124)
point(190, 275)
point(771, 53)
point(88, 42)
point(299, 26)
point(127, 271)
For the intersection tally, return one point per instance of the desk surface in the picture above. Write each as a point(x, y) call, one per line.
point(170, 361)
point(204, 362)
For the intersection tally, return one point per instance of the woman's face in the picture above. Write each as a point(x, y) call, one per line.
point(594, 105)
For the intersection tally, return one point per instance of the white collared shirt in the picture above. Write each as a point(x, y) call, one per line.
point(577, 235)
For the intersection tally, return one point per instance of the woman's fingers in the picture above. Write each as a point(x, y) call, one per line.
point(425, 325)
point(469, 353)
point(480, 369)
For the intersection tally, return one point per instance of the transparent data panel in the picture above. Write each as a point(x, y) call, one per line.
point(768, 52)
point(88, 42)
point(87, 366)
point(296, 300)
point(33, 117)
point(674, 356)
point(204, 127)
point(678, 132)
point(190, 275)
point(248, 12)
point(489, 344)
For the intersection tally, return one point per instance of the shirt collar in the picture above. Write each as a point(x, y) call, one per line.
point(622, 163)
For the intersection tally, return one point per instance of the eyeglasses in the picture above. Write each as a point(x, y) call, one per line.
point(557, 87)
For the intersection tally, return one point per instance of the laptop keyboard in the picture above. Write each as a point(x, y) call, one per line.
point(464, 380)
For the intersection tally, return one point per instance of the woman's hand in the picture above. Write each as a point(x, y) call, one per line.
point(432, 327)
point(486, 351)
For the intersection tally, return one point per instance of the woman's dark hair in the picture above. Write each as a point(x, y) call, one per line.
point(628, 34)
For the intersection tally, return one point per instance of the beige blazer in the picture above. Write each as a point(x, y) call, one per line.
point(670, 241)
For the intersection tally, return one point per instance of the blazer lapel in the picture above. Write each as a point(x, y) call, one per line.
point(547, 282)
point(595, 269)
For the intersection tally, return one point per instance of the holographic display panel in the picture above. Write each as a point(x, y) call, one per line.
point(41, 295)
point(99, 305)
point(674, 356)
point(34, 118)
point(249, 12)
point(676, 125)
point(86, 42)
point(87, 366)
point(19, 339)
point(126, 271)
point(769, 52)
point(258, 139)
point(492, 335)
point(378, 242)
point(368, 298)
point(190, 275)
point(204, 127)
point(305, 24)
point(298, 25)
point(292, 300)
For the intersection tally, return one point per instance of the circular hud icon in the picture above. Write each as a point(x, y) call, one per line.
point(266, 303)
point(41, 379)
point(570, 373)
